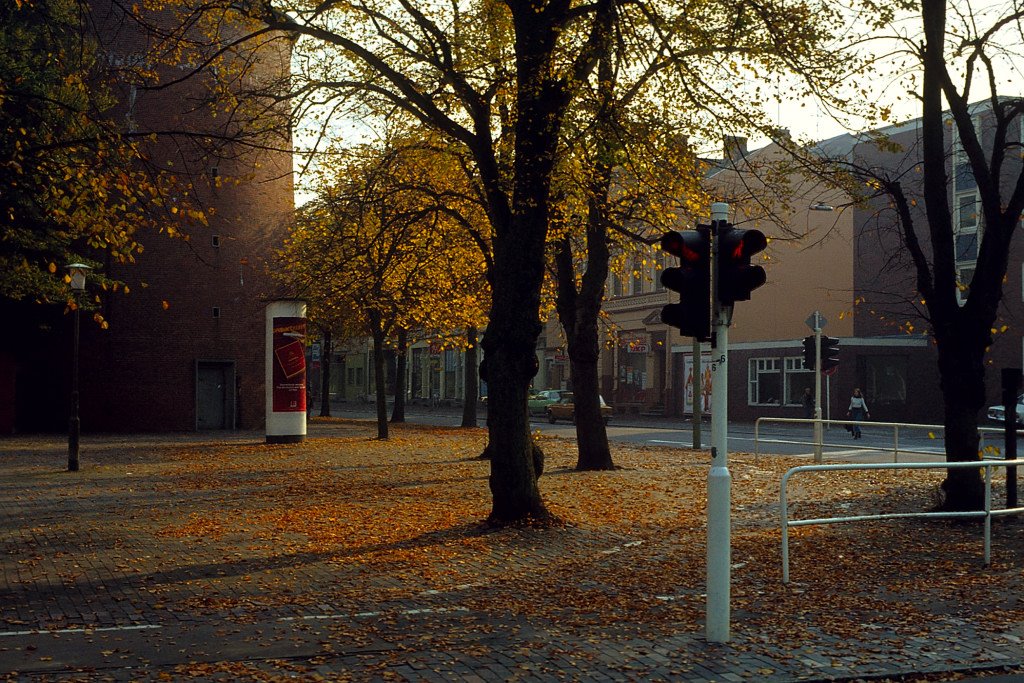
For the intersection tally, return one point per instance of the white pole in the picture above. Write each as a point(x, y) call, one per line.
point(719, 480)
point(828, 398)
point(817, 387)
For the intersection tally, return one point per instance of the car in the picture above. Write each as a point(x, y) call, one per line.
point(565, 409)
point(998, 413)
point(539, 401)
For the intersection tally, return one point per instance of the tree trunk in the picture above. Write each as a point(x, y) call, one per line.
point(398, 410)
point(471, 386)
point(578, 313)
point(379, 378)
point(961, 339)
point(520, 233)
point(325, 375)
point(513, 482)
point(579, 310)
point(962, 378)
point(591, 434)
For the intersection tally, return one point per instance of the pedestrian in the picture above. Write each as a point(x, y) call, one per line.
point(858, 411)
point(808, 403)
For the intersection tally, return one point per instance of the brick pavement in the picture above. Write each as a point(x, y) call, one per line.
point(94, 586)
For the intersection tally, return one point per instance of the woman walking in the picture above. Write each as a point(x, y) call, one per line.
point(858, 411)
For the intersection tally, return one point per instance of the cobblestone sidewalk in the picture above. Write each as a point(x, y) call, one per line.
point(142, 568)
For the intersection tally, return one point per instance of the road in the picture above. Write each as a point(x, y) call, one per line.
point(877, 443)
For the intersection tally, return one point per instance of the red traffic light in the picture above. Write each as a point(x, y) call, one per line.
point(689, 247)
point(737, 278)
point(692, 279)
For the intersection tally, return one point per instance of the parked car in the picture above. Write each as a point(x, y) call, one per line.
point(565, 409)
point(540, 400)
point(998, 413)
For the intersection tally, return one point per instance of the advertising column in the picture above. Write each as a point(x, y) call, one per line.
point(286, 371)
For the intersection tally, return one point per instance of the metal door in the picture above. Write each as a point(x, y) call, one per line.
point(215, 405)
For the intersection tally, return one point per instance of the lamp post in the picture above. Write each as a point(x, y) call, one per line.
point(77, 272)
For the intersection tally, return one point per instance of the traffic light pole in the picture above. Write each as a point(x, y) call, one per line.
point(719, 480)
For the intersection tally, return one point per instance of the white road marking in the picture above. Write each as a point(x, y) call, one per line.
point(60, 631)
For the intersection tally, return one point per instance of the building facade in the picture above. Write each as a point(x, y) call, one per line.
point(184, 349)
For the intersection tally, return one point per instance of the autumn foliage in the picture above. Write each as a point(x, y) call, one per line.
point(345, 524)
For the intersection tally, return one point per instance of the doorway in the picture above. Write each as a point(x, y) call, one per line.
point(215, 395)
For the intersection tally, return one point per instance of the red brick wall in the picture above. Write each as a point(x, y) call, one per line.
point(140, 374)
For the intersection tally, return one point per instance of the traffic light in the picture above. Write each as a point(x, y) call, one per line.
point(736, 277)
point(829, 353)
point(809, 352)
point(692, 279)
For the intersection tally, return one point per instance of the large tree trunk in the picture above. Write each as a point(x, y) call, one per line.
point(962, 378)
point(961, 357)
point(509, 345)
point(513, 482)
point(379, 378)
point(325, 374)
point(520, 232)
point(471, 386)
point(398, 410)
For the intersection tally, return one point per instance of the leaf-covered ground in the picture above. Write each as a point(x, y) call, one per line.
point(346, 525)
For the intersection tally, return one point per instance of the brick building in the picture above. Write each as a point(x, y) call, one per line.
point(185, 349)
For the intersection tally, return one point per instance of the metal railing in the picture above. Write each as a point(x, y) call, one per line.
point(896, 427)
point(988, 513)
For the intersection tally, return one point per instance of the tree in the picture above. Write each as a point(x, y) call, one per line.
point(963, 333)
point(629, 173)
point(75, 187)
point(979, 143)
point(377, 244)
point(496, 79)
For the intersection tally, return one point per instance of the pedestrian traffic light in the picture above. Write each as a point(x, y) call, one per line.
point(736, 277)
point(809, 352)
point(829, 353)
point(692, 279)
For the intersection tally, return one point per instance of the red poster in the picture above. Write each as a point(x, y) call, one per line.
point(289, 365)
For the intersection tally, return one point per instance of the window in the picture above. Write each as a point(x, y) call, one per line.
point(638, 277)
point(797, 379)
point(964, 176)
point(216, 311)
point(616, 285)
point(764, 382)
point(216, 240)
point(967, 207)
point(885, 381)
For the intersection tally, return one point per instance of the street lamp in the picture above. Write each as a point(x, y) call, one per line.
point(77, 272)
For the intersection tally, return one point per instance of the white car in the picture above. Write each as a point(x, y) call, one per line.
point(998, 413)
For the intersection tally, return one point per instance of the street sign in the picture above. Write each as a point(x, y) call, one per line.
point(816, 321)
point(315, 352)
